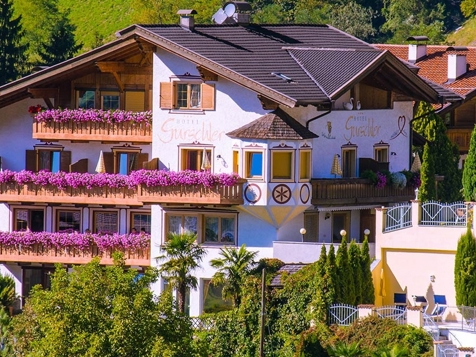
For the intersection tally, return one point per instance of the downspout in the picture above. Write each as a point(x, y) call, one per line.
point(411, 129)
point(317, 117)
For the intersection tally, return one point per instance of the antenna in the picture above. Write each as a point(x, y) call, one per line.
point(233, 12)
point(219, 17)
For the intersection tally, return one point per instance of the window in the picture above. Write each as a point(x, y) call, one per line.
point(182, 223)
point(35, 276)
point(141, 221)
point(381, 152)
point(124, 159)
point(340, 221)
point(86, 98)
point(29, 219)
point(68, 221)
point(105, 222)
point(48, 157)
point(219, 229)
point(135, 101)
point(349, 154)
point(109, 100)
point(210, 227)
point(197, 159)
point(254, 164)
point(236, 161)
point(311, 224)
point(282, 165)
point(212, 298)
point(304, 165)
point(125, 162)
point(188, 93)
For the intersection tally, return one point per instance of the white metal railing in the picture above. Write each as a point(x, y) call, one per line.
point(444, 214)
point(394, 312)
point(398, 217)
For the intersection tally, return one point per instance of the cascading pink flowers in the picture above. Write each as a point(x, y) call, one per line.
point(93, 115)
point(79, 241)
point(149, 178)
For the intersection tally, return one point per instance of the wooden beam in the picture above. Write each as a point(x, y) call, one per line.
point(206, 74)
point(43, 92)
point(111, 66)
point(267, 103)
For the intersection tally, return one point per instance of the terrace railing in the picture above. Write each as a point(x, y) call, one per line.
point(444, 214)
point(398, 217)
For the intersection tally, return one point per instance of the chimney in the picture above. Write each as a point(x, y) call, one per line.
point(456, 66)
point(416, 51)
point(187, 21)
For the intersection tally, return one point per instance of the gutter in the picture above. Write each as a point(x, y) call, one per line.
point(319, 116)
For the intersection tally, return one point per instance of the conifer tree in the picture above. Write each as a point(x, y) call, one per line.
point(427, 189)
point(325, 296)
point(469, 171)
point(332, 277)
point(61, 45)
point(355, 267)
point(465, 270)
point(445, 154)
point(368, 291)
point(346, 286)
point(11, 51)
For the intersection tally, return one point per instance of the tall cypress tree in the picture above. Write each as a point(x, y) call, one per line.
point(368, 290)
point(333, 283)
point(356, 269)
point(61, 45)
point(427, 189)
point(444, 153)
point(346, 286)
point(465, 270)
point(324, 287)
point(11, 51)
point(469, 171)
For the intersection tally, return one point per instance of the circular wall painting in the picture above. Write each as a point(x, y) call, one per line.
point(252, 193)
point(281, 194)
point(305, 193)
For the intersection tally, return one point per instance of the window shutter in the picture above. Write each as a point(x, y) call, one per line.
point(166, 95)
point(311, 223)
point(30, 161)
point(80, 166)
point(208, 96)
point(141, 160)
point(135, 101)
point(65, 160)
point(109, 162)
point(151, 165)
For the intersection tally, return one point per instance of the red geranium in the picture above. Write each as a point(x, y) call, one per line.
point(35, 109)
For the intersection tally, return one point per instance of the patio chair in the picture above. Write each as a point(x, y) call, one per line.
point(439, 309)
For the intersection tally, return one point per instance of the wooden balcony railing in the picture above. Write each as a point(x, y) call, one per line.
point(355, 191)
point(219, 194)
point(93, 131)
point(13, 192)
point(39, 254)
point(460, 137)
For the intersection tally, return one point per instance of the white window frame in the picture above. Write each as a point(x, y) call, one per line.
point(246, 173)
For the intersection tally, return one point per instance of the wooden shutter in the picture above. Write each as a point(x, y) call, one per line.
point(65, 160)
point(208, 96)
point(311, 223)
point(109, 162)
point(30, 161)
point(151, 165)
point(141, 160)
point(80, 166)
point(166, 95)
point(135, 101)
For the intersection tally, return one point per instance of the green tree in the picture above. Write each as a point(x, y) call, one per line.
point(443, 152)
point(182, 255)
point(346, 285)
point(61, 45)
point(7, 291)
point(468, 8)
point(232, 269)
point(354, 19)
point(91, 311)
point(465, 270)
point(469, 171)
point(427, 190)
point(342, 349)
point(368, 290)
point(324, 284)
point(395, 351)
point(11, 50)
point(355, 262)
point(333, 292)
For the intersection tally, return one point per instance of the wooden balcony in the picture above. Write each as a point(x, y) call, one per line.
point(14, 192)
point(93, 131)
point(355, 191)
point(460, 137)
point(217, 195)
point(40, 254)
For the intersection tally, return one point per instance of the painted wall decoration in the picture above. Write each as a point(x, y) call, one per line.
point(282, 194)
point(401, 122)
point(252, 193)
point(305, 193)
point(189, 129)
point(360, 126)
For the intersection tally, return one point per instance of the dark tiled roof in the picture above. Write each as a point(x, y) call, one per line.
point(256, 51)
point(345, 65)
point(289, 269)
point(275, 125)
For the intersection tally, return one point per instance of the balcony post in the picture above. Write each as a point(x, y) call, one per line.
point(416, 213)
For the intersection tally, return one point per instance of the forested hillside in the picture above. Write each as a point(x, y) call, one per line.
point(53, 30)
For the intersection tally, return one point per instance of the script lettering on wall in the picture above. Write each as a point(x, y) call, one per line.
point(189, 130)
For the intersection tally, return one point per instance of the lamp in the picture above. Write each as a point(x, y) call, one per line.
point(327, 216)
point(393, 153)
point(432, 278)
point(303, 232)
point(366, 233)
point(343, 233)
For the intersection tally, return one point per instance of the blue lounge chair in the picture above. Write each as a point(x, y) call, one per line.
point(440, 307)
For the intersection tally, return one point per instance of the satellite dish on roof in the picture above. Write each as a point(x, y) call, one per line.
point(219, 17)
point(229, 9)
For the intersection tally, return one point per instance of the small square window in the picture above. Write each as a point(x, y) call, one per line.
point(304, 164)
point(68, 221)
point(196, 159)
point(141, 222)
point(188, 95)
point(179, 224)
point(220, 230)
point(86, 98)
point(110, 100)
point(49, 160)
point(282, 165)
point(106, 222)
point(29, 219)
point(254, 164)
